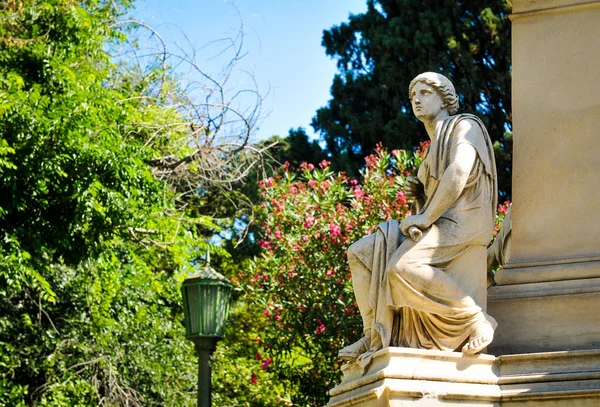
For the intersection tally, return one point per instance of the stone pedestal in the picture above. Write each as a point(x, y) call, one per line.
point(405, 377)
point(549, 292)
point(402, 377)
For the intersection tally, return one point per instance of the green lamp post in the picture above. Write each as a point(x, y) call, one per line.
point(206, 295)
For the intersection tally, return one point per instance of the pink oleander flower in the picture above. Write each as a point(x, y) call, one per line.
point(335, 230)
point(320, 329)
point(278, 234)
point(324, 164)
point(358, 193)
point(277, 318)
point(253, 378)
point(265, 244)
point(310, 167)
point(370, 161)
point(503, 208)
point(401, 197)
point(266, 313)
point(312, 183)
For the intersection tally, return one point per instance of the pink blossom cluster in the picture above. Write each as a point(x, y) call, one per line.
point(503, 207)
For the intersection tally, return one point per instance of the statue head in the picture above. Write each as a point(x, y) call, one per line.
point(443, 87)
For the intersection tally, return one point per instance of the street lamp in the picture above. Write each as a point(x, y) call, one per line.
point(206, 295)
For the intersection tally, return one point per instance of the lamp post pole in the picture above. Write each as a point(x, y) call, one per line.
point(204, 378)
point(206, 295)
point(204, 350)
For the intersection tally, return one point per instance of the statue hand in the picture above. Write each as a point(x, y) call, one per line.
point(419, 221)
point(413, 187)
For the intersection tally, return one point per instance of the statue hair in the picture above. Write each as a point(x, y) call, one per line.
point(442, 86)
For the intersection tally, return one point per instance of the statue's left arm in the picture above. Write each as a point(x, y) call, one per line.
point(453, 179)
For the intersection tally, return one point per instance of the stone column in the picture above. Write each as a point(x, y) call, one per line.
point(548, 296)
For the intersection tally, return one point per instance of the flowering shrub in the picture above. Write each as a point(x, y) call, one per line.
point(301, 284)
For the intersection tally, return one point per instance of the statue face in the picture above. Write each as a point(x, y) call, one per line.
point(426, 102)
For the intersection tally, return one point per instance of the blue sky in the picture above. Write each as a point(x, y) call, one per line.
point(283, 41)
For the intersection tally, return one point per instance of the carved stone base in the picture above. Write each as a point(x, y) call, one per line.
point(403, 377)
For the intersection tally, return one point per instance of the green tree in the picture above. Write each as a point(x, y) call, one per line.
point(104, 179)
point(380, 51)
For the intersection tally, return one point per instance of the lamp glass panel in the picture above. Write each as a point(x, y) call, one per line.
point(220, 310)
point(223, 297)
point(192, 305)
point(208, 309)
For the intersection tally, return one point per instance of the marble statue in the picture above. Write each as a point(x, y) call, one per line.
point(422, 283)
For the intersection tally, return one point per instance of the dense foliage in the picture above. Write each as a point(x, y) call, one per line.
point(91, 241)
point(380, 51)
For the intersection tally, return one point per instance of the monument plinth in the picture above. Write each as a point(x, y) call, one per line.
point(406, 377)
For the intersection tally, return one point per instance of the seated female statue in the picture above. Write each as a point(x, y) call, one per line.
point(431, 293)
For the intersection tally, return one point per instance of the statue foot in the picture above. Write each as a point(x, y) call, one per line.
point(479, 339)
point(352, 352)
